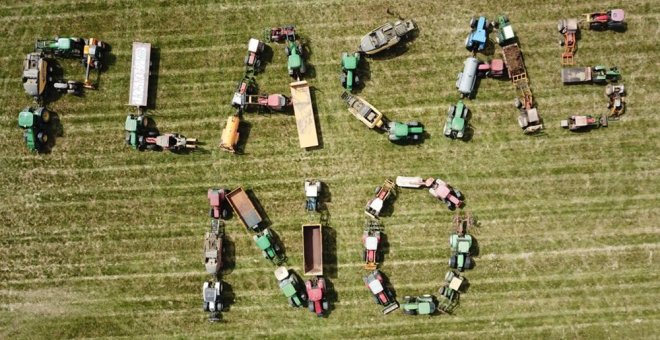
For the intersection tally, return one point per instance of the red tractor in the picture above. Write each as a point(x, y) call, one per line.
point(446, 193)
point(370, 240)
point(280, 34)
point(170, 141)
point(316, 296)
point(218, 203)
point(612, 19)
point(252, 61)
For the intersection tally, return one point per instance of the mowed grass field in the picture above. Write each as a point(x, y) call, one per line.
point(99, 240)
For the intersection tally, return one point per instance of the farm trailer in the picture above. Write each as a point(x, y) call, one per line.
point(244, 209)
point(312, 249)
point(304, 112)
point(529, 119)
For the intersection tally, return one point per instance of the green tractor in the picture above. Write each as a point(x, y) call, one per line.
point(505, 33)
point(65, 47)
point(349, 64)
point(296, 63)
point(418, 305)
point(601, 75)
point(269, 248)
point(460, 243)
point(137, 130)
point(291, 286)
point(34, 123)
point(410, 132)
point(456, 120)
point(450, 292)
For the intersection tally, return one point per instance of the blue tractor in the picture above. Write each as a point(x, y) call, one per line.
point(476, 40)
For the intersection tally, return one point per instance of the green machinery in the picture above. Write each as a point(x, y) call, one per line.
point(34, 123)
point(505, 33)
point(65, 47)
point(405, 132)
point(456, 120)
point(295, 63)
point(450, 292)
point(349, 64)
point(269, 249)
point(291, 287)
point(418, 305)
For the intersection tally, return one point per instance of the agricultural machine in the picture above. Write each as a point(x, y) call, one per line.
point(584, 123)
point(460, 243)
point(312, 192)
point(317, 301)
point(385, 36)
point(598, 75)
point(212, 295)
point(140, 136)
point(494, 69)
point(291, 286)
point(34, 123)
point(466, 80)
point(568, 28)
point(213, 247)
point(349, 64)
point(63, 47)
point(244, 87)
point(218, 202)
point(419, 305)
point(617, 99)
point(381, 294)
point(456, 120)
point(269, 248)
point(450, 292)
point(93, 56)
point(295, 62)
point(230, 134)
point(171, 141)
point(505, 34)
point(382, 193)
point(446, 193)
point(279, 34)
point(137, 129)
point(478, 37)
point(247, 212)
point(612, 19)
point(36, 78)
point(409, 132)
point(252, 61)
point(463, 222)
point(364, 111)
point(371, 255)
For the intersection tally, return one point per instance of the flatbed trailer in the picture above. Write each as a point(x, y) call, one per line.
point(140, 64)
point(313, 249)
point(576, 75)
point(244, 208)
point(304, 112)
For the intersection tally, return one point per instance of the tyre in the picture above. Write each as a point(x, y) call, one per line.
point(452, 261)
point(413, 123)
point(344, 55)
point(287, 51)
point(325, 305)
point(451, 110)
point(291, 303)
point(517, 103)
point(245, 60)
point(152, 147)
point(356, 79)
point(473, 22)
point(310, 306)
point(45, 116)
point(152, 134)
point(408, 312)
point(468, 262)
point(364, 255)
point(561, 26)
point(127, 137)
point(145, 121)
point(303, 69)
point(224, 213)
point(459, 194)
point(264, 254)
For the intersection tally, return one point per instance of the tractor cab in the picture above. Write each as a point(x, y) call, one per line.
point(371, 243)
point(376, 287)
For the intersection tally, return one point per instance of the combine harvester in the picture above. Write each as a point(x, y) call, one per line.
point(529, 119)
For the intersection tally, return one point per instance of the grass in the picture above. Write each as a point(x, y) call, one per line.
point(98, 240)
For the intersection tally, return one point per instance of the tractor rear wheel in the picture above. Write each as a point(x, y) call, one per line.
point(310, 306)
point(452, 261)
point(468, 263)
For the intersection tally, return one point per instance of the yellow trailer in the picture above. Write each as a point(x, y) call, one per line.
point(304, 112)
point(229, 137)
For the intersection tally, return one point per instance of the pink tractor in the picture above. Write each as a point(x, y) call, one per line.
point(494, 69)
point(316, 296)
point(275, 102)
point(280, 34)
point(437, 188)
point(255, 48)
point(218, 203)
point(612, 19)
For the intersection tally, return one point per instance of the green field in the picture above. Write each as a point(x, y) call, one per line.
point(99, 240)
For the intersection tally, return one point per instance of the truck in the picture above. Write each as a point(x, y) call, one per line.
point(244, 208)
point(598, 75)
point(312, 249)
point(304, 112)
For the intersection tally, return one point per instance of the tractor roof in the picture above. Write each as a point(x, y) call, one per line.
point(464, 244)
point(281, 273)
point(425, 308)
point(26, 119)
point(253, 45)
point(617, 14)
point(371, 243)
point(64, 43)
point(210, 295)
point(263, 242)
point(375, 286)
point(350, 62)
point(295, 61)
point(400, 129)
point(131, 124)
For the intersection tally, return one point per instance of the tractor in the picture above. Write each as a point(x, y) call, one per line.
point(269, 102)
point(213, 247)
point(450, 292)
point(478, 37)
point(584, 123)
point(269, 248)
point(137, 130)
point(381, 294)
point(612, 19)
point(64, 47)
point(312, 192)
point(601, 75)
point(409, 132)
point(34, 123)
point(419, 305)
point(218, 202)
point(212, 295)
point(295, 63)
point(457, 116)
point(386, 36)
point(279, 34)
point(371, 237)
point(349, 65)
point(382, 193)
point(291, 287)
point(252, 61)
point(460, 243)
point(617, 100)
point(245, 87)
point(505, 33)
point(494, 69)
point(446, 193)
point(317, 301)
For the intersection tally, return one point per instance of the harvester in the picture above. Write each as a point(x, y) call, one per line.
point(381, 294)
point(568, 28)
point(213, 247)
point(291, 287)
point(37, 78)
point(371, 237)
point(385, 36)
point(450, 292)
point(382, 193)
point(349, 65)
point(409, 132)
point(364, 111)
point(269, 248)
point(34, 123)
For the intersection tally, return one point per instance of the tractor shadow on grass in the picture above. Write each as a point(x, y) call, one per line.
point(331, 295)
point(388, 207)
point(310, 70)
point(475, 250)
point(228, 255)
point(384, 246)
point(325, 197)
point(154, 73)
point(329, 249)
point(54, 130)
point(228, 296)
point(265, 58)
point(388, 284)
point(317, 121)
point(244, 128)
point(363, 73)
